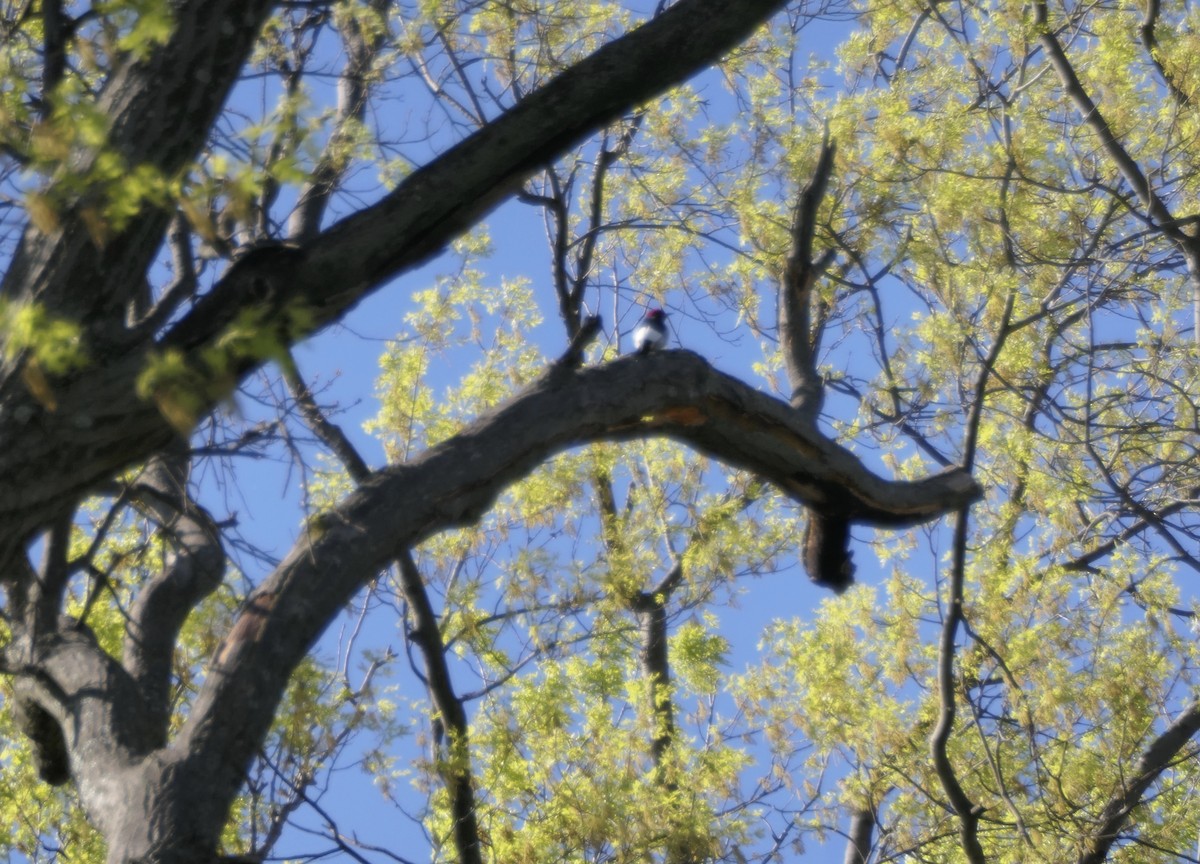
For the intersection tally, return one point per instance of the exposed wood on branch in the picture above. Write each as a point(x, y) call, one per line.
point(102, 425)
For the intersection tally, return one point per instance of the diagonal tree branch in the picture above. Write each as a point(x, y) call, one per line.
point(1095, 120)
point(1153, 761)
point(1160, 215)
point(449, 716)
point(331, 434)
point(454, 766)
point(440, 200)
point(54, 60)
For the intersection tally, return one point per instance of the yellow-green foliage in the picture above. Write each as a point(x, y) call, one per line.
point(54, 343)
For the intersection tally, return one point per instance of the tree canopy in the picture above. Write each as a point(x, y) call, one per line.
point(932, 272)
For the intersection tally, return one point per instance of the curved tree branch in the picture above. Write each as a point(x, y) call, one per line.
point(192, 570)
point(674, 394)
point(968, 811)
point(827, 557)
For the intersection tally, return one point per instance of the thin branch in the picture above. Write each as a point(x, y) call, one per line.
point(968, 812)
point(454, 765)
point(353, 90)
point(449, 717)
point(1095, 120)
point(608, 157)
point(1086, 561)
point(327, 431)
point(183, 286)
point(1150, 42)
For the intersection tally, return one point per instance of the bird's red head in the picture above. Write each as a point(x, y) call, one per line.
point(655, 314)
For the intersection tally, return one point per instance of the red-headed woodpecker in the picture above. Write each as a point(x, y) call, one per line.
point(651, 332)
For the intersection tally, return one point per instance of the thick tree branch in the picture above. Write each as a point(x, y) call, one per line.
point(160, 106)
point(102, 426)
point(861, 836)
point(800, 274)
point(50, 588)
point(674, 394)
point(95, 710)
point(1153, 761)
point(419, 218)
point(445, 197)
point(54, 58)
point(827, 557)
point(192, 570)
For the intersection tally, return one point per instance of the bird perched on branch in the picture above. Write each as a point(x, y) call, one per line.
point(651, 332)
